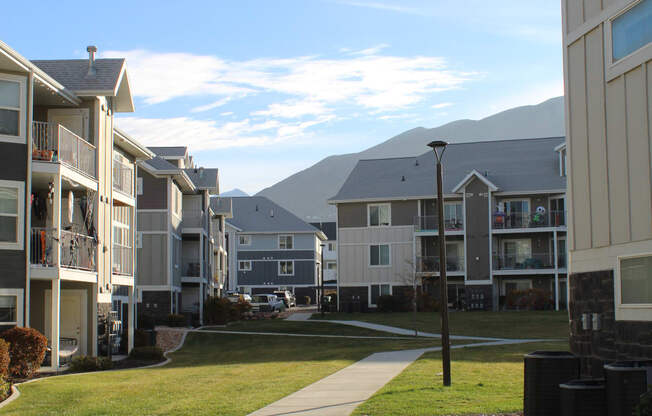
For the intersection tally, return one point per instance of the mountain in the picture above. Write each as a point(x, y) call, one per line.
point(234, 192)
point(306, 192)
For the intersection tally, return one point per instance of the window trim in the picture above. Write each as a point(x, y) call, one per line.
point(279, 267)
point(291, 239)
point(247, 236)
point(22, 125)
point(20, 215)
point(391, 292)
point(629, 311)
point(614, 69)
point(242, 269)
point(18, 293)
point(389, 249)
point(389, 210)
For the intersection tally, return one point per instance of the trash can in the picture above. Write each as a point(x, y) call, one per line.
point(626, 381)
point(584, 397)
point(544, 372)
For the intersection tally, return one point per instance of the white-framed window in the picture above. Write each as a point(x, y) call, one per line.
point(331, 265)
point(379, 255)
point(11, 307)
point(244, 240)
point(332, 246)
point(375, 291)
point(286, 268)
point(12, 202)
point(12, 108)
point(635, 280)
point(631, 30)
point(379, 215)
point(139, 186)
point(244, 265)
point(516, 252)
point(453, 215)
point(285, 242)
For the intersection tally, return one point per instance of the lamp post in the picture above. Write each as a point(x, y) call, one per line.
point(439, 147)
point(321, 299)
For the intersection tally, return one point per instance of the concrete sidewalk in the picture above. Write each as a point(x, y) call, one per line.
point(299, 316)
point(402, 331)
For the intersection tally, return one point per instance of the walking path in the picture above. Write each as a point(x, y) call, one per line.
point(299, 316)
point(402, 331)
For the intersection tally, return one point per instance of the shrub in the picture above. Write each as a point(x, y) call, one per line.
point(385, 303)
point(146, 321)
point(176, 320)
point(644, 407)
point(530, 299)
point(144, 337)
point(240, 309)
point(26, 350)
point(306, 300)
point(426, 303)
point(84, 363)
point(217, 311)
point(4, 359)
point(147, 353)
point(5, 388)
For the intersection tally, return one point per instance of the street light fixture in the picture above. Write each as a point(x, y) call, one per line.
point(439, 146)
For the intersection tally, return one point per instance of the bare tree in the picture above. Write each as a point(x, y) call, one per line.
point(411, 278)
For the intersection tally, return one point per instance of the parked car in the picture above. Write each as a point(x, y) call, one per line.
point(237, 297)
point(266, 303)
point(287, 297)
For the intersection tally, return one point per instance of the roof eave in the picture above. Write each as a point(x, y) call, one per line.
point(135, 148)
point(474, 174)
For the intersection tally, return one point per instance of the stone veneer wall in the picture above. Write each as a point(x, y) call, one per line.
point(593, 292)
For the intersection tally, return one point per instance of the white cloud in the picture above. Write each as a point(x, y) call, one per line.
point(227, 113)
point(293, 109)
point(442, 105)
point(214, 104)
point(370, 51)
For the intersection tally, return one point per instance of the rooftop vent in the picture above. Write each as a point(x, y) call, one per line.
point(416, 162)
point(402, 178)
point(271, 212)
point(256, 208)
point(91, 60)
point(486, 173)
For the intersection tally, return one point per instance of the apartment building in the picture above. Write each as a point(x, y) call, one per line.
point(272, 249)
point(504, 207)
point(608, 88)
point(175, 252)
point(329, 253)
point(67, 198)
point(222, 209)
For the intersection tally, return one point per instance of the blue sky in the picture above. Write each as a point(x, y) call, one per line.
point(262, 89)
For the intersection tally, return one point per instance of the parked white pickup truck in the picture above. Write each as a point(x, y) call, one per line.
point(266, 303)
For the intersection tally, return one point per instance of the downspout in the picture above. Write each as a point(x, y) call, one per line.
point(28, 195)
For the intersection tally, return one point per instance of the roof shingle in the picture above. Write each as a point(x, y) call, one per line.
point(73, 73)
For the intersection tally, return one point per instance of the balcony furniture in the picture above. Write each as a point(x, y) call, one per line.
point(68, 347)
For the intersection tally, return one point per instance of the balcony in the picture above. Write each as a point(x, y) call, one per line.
point(430, 223)
point(191, 268)
point(520, 262)
point(76, 251)
point(194, 219)
point(520, 220)
point(55, 143)
point(122, 260)
point(123, 178)
point(430, 264)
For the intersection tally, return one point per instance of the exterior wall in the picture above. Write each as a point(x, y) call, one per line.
point(270, 242)
point(156, 304)
point(477, 232)
point(351, 215)
point(403, 212)
point(155, 192)
point(153, 260)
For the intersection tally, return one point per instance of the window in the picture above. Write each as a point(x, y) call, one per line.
point(139, 186)
point(332, 246)
point(516, 252)
point(557, 212)
point(244, 265)
point(11, 218)
point(245, 240)
point(11, 307)
point(10, 107)
point(331, 265)
point(377, 291)
point(379, 255)
point(285, 242)
point(453, 216)
point(636, 280)
point(379, 215)
point(631, 30)
point(286, 268)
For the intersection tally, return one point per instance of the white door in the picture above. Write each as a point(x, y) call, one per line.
point(75, 120)
point(72, 316)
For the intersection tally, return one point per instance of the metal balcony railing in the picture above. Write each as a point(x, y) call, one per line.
point(122, 260)
point(42, 244)
point(431, 223)
point(520, 262)
point(513, 220)
point(123, 177)
point(54, 143)
point(191, 268)
point(78, 251)
point(431, 264)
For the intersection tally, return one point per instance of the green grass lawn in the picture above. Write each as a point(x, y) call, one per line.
point(543, 324)
point(485, 380)
point(301, 327)
point(212, 374)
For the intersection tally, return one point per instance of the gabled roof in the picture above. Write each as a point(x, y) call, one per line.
point(526, 165)
point(474, 174)
point(257, 214)
point(328, 228)
point(131, 145)
point(170, 152)
point(222, 206)
point(110, 79)
point(158, 163)
point(204, 179)
point(158, 166)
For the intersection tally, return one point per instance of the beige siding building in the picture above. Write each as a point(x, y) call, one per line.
point(608, 80)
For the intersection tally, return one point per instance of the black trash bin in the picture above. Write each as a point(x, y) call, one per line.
point(586, 397)
point(544, 372)
point(626, 381)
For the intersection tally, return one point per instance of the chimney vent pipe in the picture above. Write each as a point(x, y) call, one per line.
point(91, 60)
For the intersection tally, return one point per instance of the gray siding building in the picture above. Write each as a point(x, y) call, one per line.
point(272, 249)
point(504, 207)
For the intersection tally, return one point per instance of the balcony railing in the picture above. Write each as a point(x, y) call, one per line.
point(78, 251)
point(561, 261)
point(42, 244)
point(123, 177)
point(193, 218)
point(191, 268)
point(431, 264)
point(122, 260)
point(520, 262)
point(513, 220)
point(431, 223)
point(54, 143)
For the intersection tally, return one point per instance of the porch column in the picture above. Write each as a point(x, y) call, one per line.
point(202, 275)
point(94, 320)
point(54, 325)
point(201, 302)
point(556, 259)
point(130, 318)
